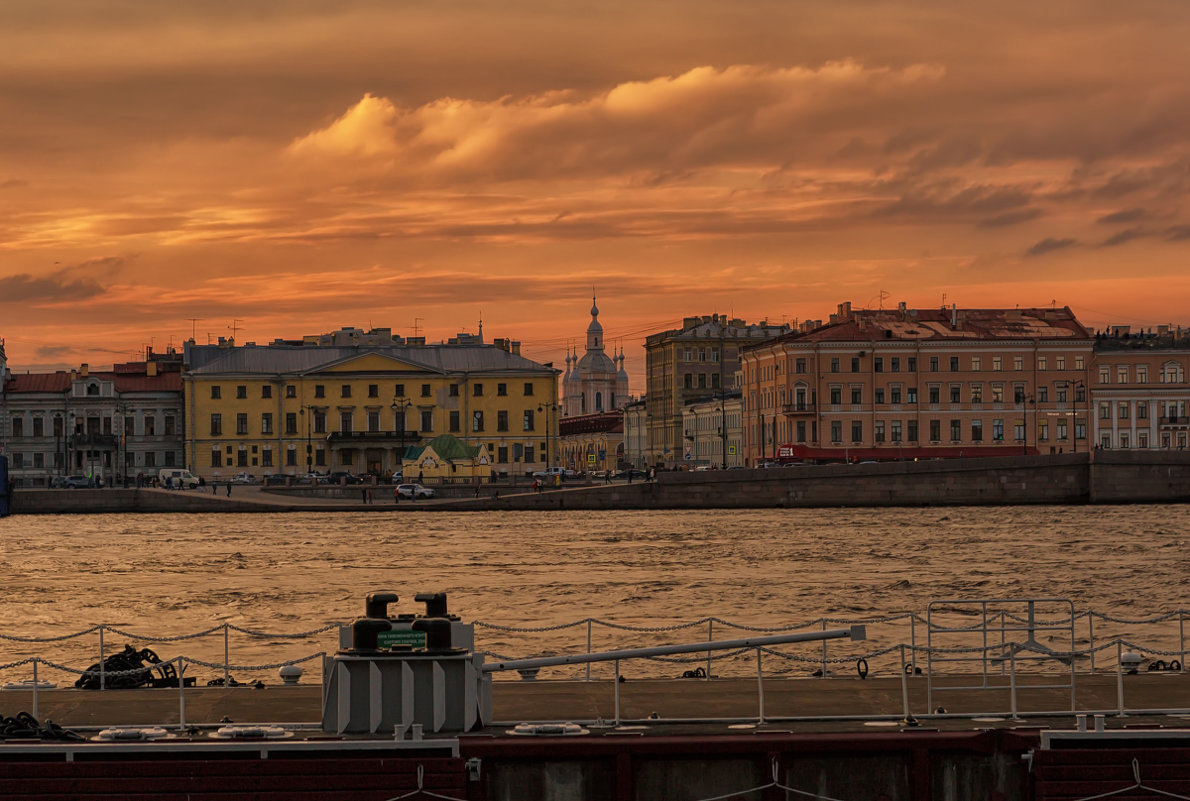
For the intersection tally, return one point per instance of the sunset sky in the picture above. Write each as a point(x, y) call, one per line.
point(295, 166)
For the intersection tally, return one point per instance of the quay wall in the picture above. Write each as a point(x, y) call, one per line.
point(1100, 477)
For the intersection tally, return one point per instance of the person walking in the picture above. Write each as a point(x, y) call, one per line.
point(396, 494)
point(228, 485)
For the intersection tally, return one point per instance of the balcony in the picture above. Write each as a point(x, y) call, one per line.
point(362, 438)
point(798, 408)
point(1173, 420)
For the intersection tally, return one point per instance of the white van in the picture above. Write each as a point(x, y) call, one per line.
point(181, 478)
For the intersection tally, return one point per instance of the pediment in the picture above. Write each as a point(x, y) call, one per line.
point(372, 363)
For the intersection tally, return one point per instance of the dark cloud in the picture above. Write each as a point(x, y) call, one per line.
point(13, 183)
point(26, 288)
point(1177, 233)
point(1126, 216)
point(1011, 218)
point(1049, 245)
point(1124, 236)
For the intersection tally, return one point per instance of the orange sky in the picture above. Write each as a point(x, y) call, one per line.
point(300, 165)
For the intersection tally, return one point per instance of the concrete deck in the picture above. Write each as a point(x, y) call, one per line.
point(803, 704)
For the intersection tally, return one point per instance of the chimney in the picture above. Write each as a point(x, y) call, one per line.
point(844, 311)
point(954, 315)
point(151, 369)
point(84, 371)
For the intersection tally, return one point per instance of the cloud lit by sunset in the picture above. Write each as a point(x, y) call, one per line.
point(169, 169)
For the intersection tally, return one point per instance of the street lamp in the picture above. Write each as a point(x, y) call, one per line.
point(399, 406)
point(546, 407)
point(1079, 388)
point(309, 447)
point(59, 437)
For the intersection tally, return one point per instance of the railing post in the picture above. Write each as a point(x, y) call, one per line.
point(181, 693)
point(102, 677)
point(904, 684)
point(226, 655)
point(35, 689)
point(588, 647)
point(1091, 635)
point(824, 650)
point(1182, 638)
point(912, 638)
point(1012, 683)
point(617, 683)
point(710, 637)
point(760, 686)
point(1120, 676)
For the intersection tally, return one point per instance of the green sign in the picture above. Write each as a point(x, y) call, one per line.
point(387, 639)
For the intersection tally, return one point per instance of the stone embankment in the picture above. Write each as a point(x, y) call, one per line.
point(1100, 477)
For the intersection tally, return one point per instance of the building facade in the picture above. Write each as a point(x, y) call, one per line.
point(106, 425)
point(356, 401)
point(1140, 394)
point(701, 357)
point(913, 383)
point(592, 443)
point(713, 428)
point(636, 435)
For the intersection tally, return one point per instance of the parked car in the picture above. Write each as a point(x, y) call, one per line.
point(343, 477)
point(243, 478)
point(550, 472)
point(70, 482)
point(636, 473)
point(178, 478)
point(414, 492)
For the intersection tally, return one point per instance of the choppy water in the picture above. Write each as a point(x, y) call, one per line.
point(178, 574)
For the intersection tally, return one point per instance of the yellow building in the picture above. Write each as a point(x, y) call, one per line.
point(355, 401)
point(445, 459)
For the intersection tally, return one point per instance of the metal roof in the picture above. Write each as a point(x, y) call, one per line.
point(285, 359)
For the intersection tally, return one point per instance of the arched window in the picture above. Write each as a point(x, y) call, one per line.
point(599, 401)
point(92, 389)
point(1171, 373)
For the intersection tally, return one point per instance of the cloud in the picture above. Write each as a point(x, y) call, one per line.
point(49, 289)
point(1126, 235)
point(1126, 216)
point(1177, 233)
point(1049, 245)
point(1011, 218)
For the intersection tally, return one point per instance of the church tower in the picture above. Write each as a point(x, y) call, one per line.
point(593, 383)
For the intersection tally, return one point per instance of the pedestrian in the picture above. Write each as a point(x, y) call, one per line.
point(421, 479)
point(214, 488)
point(397, 494)
point(228, 485)
point(369, 496)
point(607, 476)
point(536, 486)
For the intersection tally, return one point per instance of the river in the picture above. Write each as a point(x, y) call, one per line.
point(166, 576)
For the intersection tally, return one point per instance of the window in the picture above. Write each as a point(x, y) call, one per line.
point(427, 420)
point(1079, 363)
point(935, 431)
point(290, 391)
point(319, 421)
point(374, 391)
point(836, 395)
point(1043, 431)
point(527, 420)
point(1123, 410)
point(216, 392)
point(997, 393)
point(477, 421)
point(454, 422)
point(1122, 374)
point(933, 364)
point(955, 393)
point(374, 421)
point(528, 390)
point(857, 431)
point(319, 391)
point(801, 430)
point(834, 364)
point(911, 430)
point(1104, 410)
point(935, 394)
point(688, 382)
point(345, 391)
point(895, 365)
point(799, 365)
point(954, 364)
point(1043, 394)
point(291, 423)
point(977, 393)
point(291, 458)
point(894, 393)
point(242, 423)
point(425, 390)
point(216, 458)
point(502, 420)
point(1059, 362)
point(216, 425)
point(502, 454)
point(911, 395)
point(1142, 374)
point(879, 395)
point(266, 423)
point(977, 431)
point(855, 364)
point(454, 390)
point(241, 392)
point(1018, 393)
point(911, 364)
point(1018, 363)
point(997, 363)
point(346, 422)
point(896, 431)
point(529, 454)
point(878, 431)
point(956, 430)
point(266, 391)
point(266, 457)
point(477, 390)
point(1142, 411)
point(998, 430)
point(1062, 429)
point(502, 389)
point(1042, 363)
point(878, 364)
point(976, 363)
point(1060, 392)
point(837, 431)
point(1104, 374)
point(18, 426)
point(857, 395)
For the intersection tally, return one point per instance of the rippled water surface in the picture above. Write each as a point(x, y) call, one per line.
point(173, 575)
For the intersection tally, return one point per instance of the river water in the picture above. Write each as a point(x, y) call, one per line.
point(173, 575)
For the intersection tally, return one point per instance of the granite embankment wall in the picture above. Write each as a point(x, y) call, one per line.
point(1097, 477)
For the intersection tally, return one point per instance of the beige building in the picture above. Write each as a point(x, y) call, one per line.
point(713, 430)
point(700, 358)
point(1139, 390)
point(355, 401)
point(592, 442)
point(912, 383)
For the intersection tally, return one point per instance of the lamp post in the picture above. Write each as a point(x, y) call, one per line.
point(59, 437)
point(1079, 386)
point(399, 406)
point(546, 407)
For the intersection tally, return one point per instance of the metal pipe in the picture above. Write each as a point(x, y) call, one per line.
point(854, 632)
point(760, 686)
